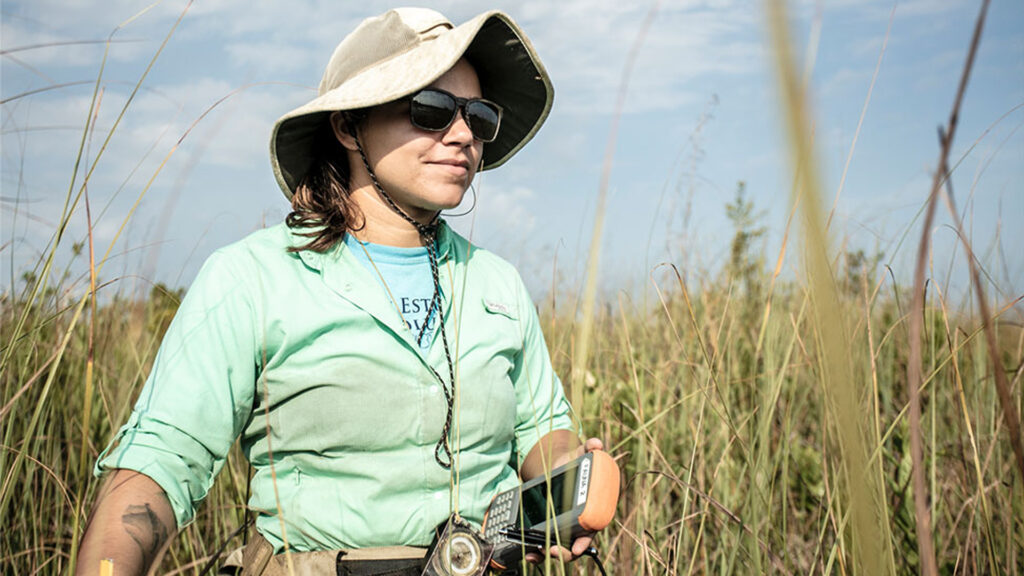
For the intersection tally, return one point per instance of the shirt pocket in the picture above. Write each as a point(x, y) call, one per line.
point(502, 332)
point(498, 306)
point(492, 343)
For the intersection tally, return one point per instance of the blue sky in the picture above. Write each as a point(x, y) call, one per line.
point(701, 114)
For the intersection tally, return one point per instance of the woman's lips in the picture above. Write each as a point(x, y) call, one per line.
point(460, 167)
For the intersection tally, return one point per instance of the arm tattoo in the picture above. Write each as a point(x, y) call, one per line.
point(143, 525)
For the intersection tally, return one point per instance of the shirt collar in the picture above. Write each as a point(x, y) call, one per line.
point(317, 260)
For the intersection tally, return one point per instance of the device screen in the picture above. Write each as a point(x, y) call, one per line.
point(535, 499)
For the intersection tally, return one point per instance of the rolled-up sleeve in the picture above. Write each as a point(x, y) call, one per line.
point(541, 406)
point(199, 393)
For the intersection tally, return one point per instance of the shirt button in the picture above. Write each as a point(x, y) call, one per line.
point(433, 389)
point(348, 286)
point(438, 495)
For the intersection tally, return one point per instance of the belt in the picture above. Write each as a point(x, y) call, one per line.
point(258, 559)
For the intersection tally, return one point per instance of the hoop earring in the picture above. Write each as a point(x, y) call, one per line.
point(472, 189)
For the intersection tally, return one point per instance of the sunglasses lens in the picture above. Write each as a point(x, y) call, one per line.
point(483, 118)
point(435, 110)
point(432, 110)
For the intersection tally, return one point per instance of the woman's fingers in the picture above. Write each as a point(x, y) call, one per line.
point(589, 445)
point(578, 546)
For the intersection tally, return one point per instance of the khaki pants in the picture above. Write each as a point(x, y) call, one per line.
point(258, 559)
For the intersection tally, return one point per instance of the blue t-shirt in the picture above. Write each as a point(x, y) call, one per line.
point(404, 273)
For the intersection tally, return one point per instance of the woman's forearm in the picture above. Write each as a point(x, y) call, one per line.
point(131, 524)
point(551, 451)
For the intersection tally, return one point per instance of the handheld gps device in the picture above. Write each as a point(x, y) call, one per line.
point(574, 500)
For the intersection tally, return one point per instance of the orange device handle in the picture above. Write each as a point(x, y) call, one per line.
point(603, 494)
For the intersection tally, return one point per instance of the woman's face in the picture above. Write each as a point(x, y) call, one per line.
point(422, 171)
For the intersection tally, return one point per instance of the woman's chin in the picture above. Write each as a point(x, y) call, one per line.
point(449, 201)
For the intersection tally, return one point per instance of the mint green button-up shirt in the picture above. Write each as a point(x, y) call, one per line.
point(305, 358)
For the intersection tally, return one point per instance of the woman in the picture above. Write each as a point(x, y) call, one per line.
point(381, 372)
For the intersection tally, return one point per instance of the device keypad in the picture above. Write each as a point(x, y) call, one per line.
point(500, 515)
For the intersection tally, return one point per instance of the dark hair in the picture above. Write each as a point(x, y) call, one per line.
point(321, 203)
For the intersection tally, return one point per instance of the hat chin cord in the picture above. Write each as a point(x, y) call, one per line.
point(428, 234)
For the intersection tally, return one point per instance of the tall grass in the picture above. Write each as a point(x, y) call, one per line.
point(728, 450)
point(761, 425)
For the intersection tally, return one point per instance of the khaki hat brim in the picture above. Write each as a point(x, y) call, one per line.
point(509, 70)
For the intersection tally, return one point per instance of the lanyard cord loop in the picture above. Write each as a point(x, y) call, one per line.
point(428, 233)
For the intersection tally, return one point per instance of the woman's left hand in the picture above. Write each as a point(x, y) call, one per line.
point(583, 542)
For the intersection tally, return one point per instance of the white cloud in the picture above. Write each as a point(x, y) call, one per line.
point(584, 43)
point(272, 57)
point(55, 22)
point(928, 8)
point(237, 120)
point(693, 49)
point(501, 216)
point(585, 49)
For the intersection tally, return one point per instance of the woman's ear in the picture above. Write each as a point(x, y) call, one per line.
point(342, 131)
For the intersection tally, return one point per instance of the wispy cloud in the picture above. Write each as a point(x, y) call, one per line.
point(274, 52)
point(501, 215)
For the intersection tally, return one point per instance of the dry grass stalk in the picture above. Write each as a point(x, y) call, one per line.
point(586, 326)
point(1003, 386)
point(925, 545)
point(870, 550)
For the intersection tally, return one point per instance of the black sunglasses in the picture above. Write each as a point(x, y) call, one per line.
point(434, 110)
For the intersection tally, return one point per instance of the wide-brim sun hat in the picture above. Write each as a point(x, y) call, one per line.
point(393, 55)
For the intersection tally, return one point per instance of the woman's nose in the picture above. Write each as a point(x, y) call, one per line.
point(459, 132)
